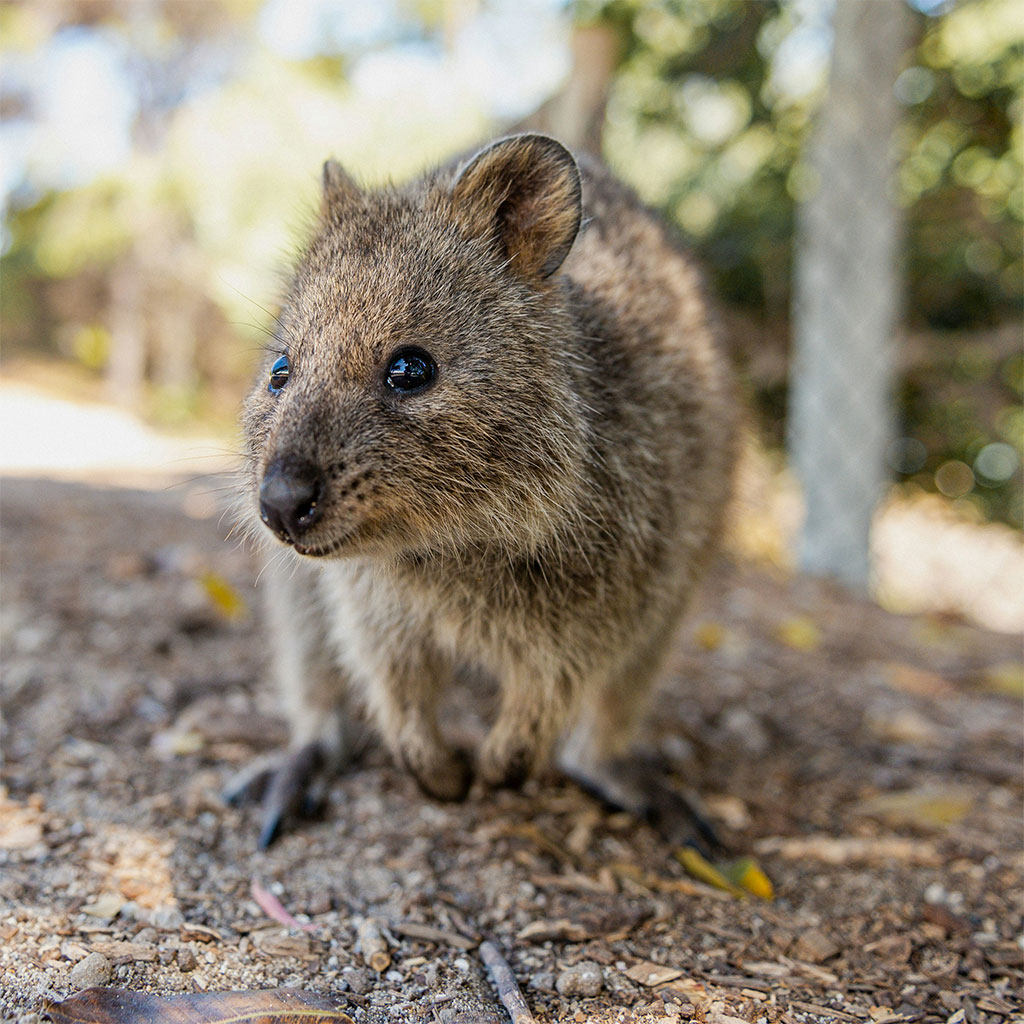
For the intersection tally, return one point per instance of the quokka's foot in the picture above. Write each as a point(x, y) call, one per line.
point(445, 775)
point(291, 785)
point(644, 791)
point(506, 768)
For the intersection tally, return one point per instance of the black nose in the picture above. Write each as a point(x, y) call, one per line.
point(290, 497)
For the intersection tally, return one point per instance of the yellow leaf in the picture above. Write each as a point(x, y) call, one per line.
point(747, 874)
point(222, 595)
point(704, 871)
point(1007, 678)
point(709, 636)
point(800, 633)
point(931, 807)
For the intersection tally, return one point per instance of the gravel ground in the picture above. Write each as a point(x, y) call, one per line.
point(871, 762)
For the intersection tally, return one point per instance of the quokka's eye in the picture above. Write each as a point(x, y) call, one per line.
point(410, 369)
point(278, 375)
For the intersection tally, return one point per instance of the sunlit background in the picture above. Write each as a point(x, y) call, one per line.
point(160, 162)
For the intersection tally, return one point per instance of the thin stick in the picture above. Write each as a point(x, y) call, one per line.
point(505, 983)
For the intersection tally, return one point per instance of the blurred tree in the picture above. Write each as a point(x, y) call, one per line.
point(708, 103)
point(708, 115)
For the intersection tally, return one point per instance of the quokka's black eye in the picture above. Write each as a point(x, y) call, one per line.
point(278, 375)
point(410, 369)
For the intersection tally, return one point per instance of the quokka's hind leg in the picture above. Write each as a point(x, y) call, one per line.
point(325, 735)
point(597, 754)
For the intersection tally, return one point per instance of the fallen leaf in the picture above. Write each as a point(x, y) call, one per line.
point(21, 825)
point(800, 633)
point(918, 681)
point(272, 907)
point(904, 725)
point(116, 949)
point(273, 943)
point(815, 946)
point(704, 871)
point(561, 930)
point(931, 807)
point(709, 636)
point(269, 1006)
point(1007, 679)
point(747, 874)
point(222, 595)
point(850, 849)
point(651, 974)
point(107, 905)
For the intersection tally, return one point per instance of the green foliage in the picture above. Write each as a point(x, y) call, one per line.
point(962, 177)
point(698, 122)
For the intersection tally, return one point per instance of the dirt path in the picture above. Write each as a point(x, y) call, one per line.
point(872, 762)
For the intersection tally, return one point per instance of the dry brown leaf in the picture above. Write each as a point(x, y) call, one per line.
point(114, 949)
point(651, 974)
point(107, 905)
point(841, 850)
point(918, 681)
point(562, 930)
point(276, 944)
point(269, 1006)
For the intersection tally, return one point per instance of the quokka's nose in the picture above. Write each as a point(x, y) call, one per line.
point(290, 497)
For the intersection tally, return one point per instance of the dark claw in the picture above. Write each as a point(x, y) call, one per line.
point(641, 789)
point(290, 785)
point(680, 822)
point(295, 790)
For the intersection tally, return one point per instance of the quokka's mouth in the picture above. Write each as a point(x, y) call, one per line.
point(319, 551)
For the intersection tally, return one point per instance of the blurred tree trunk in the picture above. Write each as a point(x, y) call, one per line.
point(847, 294)
point(575, 115)
point(126, 365)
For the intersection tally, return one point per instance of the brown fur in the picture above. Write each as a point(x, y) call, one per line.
point(543, 510)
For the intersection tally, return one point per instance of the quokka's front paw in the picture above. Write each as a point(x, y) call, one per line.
point(443, 774)
point(506, 766)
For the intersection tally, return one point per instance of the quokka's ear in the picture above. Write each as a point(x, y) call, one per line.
point(339, 190)
point(525, 193)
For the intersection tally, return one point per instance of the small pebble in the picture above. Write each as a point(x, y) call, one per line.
point(93, 970)
point(582, 979)
point(543, 981)
point(360, 979)
point(167, 919)
point(186, 959)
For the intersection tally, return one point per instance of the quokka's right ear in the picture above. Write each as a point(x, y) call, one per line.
point(524, 193)
point(339, 190)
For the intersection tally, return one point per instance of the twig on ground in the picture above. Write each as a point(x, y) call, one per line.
point(505, 984)
point(372, 944)
point(272, 907)
point(428, 933)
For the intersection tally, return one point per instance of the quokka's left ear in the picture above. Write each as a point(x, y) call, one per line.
point(339, 190)
point(524, 192)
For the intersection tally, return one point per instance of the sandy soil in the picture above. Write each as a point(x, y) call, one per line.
point(871, 762)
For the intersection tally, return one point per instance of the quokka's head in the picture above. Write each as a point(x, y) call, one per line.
point(421, 395)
